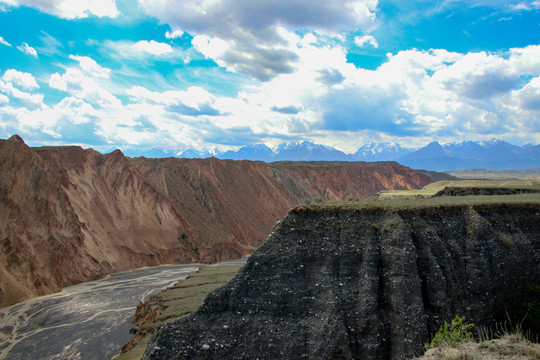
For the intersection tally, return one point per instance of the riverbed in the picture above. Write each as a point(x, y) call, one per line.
point(91, 320)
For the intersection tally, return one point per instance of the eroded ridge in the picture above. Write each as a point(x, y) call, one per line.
point(372, 283)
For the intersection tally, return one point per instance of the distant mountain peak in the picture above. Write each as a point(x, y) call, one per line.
point(492, 142)
point(302, 144)
point(434, 144)
point(493, 153)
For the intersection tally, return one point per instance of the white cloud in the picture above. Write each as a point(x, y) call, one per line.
point(3, 99)
point(91, 67)
point(77, 110)
point(525, 60)
point(366, 40)
point(27, 49)
point(11, 83)
point(153, 47)
point(84, 87)
point(174, 35)
point(142, 50)
point(71, 9)
point(255, 37)
point(438, 93)
point(415, 93)
point(520, 6)
point(4, 42)
point(529, 96)
point(213, 48)
point(30, 100)
point(23, 80)
point(194, 101)
point(479, 75)
point(325, 99)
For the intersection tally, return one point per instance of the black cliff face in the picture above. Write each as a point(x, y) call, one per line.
point(363, 284)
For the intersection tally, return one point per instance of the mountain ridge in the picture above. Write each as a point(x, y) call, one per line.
point(72, 214)
point(491, 154)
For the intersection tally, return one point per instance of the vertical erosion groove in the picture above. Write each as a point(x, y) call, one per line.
point(362, 284)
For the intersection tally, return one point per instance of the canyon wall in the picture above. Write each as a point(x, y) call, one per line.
point(375, 283)
point(69, 215)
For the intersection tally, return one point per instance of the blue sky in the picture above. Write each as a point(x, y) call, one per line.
point(220, 74)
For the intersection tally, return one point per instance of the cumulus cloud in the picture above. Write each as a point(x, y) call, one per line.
point(439, 93)
point(529, 96)
point(153, 47)
point(142, 50)
point(71, 9)
point(27, 49)
point(82, 85)
point(23, 80)
point(91, 67)
point(13, 81)
point(525, 60)
point(4, 42)
point(480, 76)
point(255, 39)
point(194, 101)
point(432, 93)
point(365, 40)
point(76, 110)
point(174, 34)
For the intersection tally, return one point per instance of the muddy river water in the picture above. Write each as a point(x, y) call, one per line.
point(86, 321)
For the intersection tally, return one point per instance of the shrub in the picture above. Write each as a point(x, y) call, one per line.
point(452, 334)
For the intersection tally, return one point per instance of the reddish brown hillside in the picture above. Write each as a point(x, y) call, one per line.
point(68, 215)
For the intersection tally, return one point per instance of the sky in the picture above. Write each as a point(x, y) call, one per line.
point(216, 75)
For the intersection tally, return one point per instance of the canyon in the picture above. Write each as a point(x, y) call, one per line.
point(70, 214)
point(375, 282)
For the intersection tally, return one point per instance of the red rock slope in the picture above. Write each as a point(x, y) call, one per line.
point(69, 215)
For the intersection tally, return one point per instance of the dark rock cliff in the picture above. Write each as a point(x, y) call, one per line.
point(69, 215)
point(363, 284)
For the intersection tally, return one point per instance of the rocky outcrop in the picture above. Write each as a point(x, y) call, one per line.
point(69, 215)
point(486, 190)
point(371, 283)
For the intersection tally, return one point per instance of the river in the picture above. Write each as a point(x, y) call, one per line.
point(91, 320)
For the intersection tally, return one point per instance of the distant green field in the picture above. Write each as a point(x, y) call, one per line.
point(424, 197)
point(527, 174)
point(433, 188)
point(411, 202)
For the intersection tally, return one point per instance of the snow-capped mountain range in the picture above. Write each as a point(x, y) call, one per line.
point(492, 154)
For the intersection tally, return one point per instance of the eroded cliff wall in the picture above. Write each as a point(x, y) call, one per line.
point(69, 215)
point(363, 284)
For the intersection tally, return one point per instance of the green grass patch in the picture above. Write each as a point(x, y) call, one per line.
point(180, 300)
point(433, 188)
point(425, 197)
point(412, 203)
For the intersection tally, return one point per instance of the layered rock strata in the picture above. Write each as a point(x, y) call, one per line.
point(69, 215)
point(375, 283)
